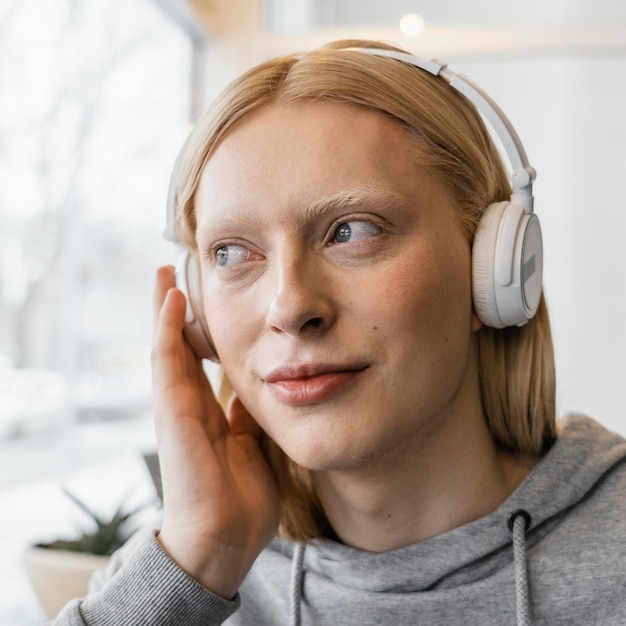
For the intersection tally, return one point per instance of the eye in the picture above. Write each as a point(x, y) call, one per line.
point(226, 256)
point(355, 231)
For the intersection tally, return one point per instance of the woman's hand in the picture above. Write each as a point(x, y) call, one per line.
point(221, 504)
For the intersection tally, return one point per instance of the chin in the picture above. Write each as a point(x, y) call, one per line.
point(326, 457)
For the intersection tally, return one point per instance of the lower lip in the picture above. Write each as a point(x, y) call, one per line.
point(303, 391)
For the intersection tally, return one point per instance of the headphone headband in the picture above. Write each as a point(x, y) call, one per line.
point(523, 174)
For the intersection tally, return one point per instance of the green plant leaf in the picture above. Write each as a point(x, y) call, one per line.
point(108, 535)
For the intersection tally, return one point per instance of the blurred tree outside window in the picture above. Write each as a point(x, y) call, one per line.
point(94, 103)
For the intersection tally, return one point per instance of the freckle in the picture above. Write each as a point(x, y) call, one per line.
point(388, 515)
point(374, 327)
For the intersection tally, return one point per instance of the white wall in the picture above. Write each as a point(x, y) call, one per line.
point(569, 113)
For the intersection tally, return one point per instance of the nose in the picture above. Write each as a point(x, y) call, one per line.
point(301, 302)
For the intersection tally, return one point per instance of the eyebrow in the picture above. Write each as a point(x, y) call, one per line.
point(348, 199)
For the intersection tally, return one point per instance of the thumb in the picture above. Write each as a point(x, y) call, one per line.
point(240, 420)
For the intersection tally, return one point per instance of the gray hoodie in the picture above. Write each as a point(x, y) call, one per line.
point(553, 553)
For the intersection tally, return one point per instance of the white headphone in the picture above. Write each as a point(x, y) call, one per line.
point(507, 253)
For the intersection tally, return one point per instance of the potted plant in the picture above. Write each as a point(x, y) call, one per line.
point(60, 570)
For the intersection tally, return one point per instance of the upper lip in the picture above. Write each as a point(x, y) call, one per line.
point(310, 370)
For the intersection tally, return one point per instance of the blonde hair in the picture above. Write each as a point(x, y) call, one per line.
point(516, 365)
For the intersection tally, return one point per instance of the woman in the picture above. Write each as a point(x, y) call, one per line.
point(386, 457)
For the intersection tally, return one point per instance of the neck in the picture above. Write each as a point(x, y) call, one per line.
point(434, 484)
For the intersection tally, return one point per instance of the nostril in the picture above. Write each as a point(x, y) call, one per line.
point(315, 322)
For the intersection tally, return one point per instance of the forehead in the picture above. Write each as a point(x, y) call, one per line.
point(307, 127)
point(305, 149)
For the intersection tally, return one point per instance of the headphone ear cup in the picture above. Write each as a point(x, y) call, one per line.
point(196, 329)
point(507, 265)
point(483, 265)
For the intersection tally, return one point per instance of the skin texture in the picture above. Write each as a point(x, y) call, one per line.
point(336, 284)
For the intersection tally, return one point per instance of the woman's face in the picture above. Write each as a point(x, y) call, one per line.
point(336, 283)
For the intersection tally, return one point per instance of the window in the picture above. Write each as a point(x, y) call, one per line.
point(94, 103)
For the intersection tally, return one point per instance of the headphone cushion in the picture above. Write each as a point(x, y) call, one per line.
point(483, 265)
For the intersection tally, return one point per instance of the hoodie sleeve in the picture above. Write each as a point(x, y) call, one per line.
point(149, 588)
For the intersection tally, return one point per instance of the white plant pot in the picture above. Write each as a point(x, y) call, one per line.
point(58, 576)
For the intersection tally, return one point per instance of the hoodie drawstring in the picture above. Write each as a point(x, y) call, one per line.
point(519, 522)
point(295, 588)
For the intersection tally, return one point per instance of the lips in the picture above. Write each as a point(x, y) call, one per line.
point(312, 383)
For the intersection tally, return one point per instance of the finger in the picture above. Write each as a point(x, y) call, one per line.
point(165, 280)
point(180, 386)
point(170, 321)
point(170, 308)
point(168, 349)
point(241, 421)
point(173, 361)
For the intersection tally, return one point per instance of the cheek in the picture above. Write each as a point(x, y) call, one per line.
point(430, 302)
point(226, 322)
